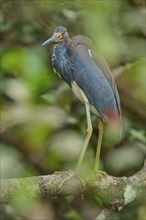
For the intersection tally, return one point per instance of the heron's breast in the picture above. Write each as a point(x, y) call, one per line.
point(55, 71)
point(53, 61)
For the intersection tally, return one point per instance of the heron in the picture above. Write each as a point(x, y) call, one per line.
point(89, 76)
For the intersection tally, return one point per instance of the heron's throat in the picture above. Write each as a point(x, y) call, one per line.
point(58, 54)
point(58, 58)
point(62, 62)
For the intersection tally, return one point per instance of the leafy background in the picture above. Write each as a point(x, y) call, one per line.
point(43, 125)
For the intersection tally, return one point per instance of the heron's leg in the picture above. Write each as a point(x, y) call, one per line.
point(88, 135)
point(99, 142)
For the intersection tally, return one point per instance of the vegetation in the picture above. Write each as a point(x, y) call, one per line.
point(43, 125)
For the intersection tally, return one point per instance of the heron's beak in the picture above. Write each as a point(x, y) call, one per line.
point(55, 37)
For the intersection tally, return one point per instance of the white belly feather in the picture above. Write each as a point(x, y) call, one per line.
point(78, 92)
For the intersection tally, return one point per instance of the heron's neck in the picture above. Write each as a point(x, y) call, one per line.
point(65, 41)
point(61, 62)
point(59, 53)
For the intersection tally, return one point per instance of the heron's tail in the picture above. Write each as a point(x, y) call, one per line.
point(114, 124)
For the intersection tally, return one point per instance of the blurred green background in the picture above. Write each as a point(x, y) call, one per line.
point(43, 125)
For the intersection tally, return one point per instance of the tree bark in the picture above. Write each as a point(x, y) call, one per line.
point(113, 192)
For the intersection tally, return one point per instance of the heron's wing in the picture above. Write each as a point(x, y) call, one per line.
point(103, 66)
point(100, 62)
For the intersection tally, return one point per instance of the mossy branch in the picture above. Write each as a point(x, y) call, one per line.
point(113, 192)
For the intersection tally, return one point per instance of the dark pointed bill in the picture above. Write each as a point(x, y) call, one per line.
point(51, 39)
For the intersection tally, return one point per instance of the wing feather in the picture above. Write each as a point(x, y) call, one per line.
point(99, 61)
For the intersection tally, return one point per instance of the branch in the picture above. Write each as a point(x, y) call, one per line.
point(104, 214)
point(113, 192)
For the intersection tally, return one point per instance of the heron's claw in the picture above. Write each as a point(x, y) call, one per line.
point(103, 173)
point(70, 174)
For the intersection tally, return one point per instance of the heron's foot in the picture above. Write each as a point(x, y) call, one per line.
point(103, 173)
point(70, 174)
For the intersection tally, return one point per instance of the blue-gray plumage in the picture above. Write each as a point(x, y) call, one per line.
point(62, 65)
point(89, 77)
point(91, 80)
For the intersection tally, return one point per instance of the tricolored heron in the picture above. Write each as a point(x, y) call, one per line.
point(91, 81)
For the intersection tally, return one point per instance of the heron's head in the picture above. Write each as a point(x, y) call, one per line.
point(60, 35)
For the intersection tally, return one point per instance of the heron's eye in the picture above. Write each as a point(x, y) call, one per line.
point(62, 34)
